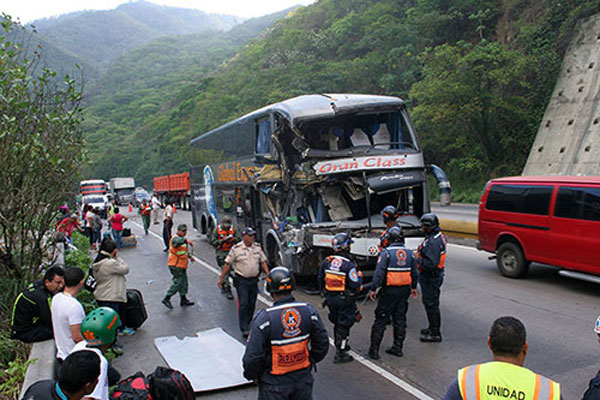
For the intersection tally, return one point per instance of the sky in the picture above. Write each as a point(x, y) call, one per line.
point(30, 10)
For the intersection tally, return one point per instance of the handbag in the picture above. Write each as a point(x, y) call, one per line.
point(90, 282)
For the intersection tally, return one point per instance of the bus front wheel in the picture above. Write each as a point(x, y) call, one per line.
point(511, 260)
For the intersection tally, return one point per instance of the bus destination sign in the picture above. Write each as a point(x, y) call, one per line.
point(368, 163)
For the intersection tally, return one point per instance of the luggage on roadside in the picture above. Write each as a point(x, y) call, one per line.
point(135, 311)
point(170, 384)
point(129, 241)
point(136, 387)
point(126, 232)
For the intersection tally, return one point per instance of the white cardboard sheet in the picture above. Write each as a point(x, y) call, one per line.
point(211, 360)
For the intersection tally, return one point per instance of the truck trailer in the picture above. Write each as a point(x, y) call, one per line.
point(175, 188)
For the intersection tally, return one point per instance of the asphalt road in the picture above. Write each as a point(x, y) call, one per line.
point(558, 313)
point(457, 211)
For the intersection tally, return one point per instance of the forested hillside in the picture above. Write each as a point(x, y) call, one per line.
point(476, 73)
point(97, 38)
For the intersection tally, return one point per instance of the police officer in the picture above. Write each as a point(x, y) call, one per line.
point(396, 273)
point(285, 341)
point(179, 255)
point(504, 377)
point(247, 259)
point(431, 257)
point(341, 281)
point(223, 238)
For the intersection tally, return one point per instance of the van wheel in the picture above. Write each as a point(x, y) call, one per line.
point(511, 261)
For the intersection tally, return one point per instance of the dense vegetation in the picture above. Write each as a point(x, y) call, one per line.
point(476, 73)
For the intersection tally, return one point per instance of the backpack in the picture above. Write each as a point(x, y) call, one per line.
point(135, 387)
point(170, 384)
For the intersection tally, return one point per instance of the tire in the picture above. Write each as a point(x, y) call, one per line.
point(510, 260)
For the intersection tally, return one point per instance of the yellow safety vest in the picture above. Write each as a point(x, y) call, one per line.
point(500, 380)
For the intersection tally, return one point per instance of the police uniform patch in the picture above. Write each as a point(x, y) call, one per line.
point(336, 262)
point(290, 320)
point(401, 257)
point(353, 275)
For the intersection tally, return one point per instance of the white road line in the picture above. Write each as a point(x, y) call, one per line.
point(369, 364)
point(461, 246)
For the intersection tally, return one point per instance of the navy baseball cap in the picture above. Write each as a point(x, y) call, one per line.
point(248, 231)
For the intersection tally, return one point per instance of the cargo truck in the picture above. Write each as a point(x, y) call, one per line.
point(123, 190)
point(175, 188)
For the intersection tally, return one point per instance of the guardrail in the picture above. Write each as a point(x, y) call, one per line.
point(462, 229)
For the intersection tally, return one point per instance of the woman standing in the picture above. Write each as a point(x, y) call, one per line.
point(109, 270)
point(116, 222)
point(145, 211)
point(95, 223)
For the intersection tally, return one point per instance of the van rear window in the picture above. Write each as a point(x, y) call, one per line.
point(578, 203)
point(525, 199)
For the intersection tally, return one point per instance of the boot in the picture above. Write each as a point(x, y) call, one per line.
point(167, 302)
point(376, 338)
point(341, 351)
point(185, 302)
point(427, 330)
point(396, 349)
point(434, 335)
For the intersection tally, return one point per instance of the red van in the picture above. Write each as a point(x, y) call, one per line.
point(551, 220)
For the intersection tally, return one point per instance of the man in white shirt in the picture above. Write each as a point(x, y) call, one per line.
point(155, 207)
point(99, 330)
point(167, 225)
point(67, 314)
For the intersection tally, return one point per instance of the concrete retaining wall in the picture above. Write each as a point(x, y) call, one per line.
point(44, 354)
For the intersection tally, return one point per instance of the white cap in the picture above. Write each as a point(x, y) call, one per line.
point(597, 327)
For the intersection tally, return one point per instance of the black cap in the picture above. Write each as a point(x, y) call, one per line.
point(248, 231)
point(182, 227)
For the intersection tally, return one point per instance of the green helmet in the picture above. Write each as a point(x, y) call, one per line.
point(100, 326)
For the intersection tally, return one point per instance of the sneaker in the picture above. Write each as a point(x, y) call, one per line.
point(127, 332)
point(245, 334)
point(167, 303)
point(117, 350)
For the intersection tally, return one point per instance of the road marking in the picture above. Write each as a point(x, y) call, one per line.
point(367, 363)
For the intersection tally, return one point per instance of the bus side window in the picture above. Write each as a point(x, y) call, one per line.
point(263, 137)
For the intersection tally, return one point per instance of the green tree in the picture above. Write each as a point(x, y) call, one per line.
point(41, 151)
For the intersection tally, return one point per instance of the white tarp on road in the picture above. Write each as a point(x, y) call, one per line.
point(211, 360)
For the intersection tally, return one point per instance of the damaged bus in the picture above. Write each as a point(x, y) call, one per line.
point(304, 169)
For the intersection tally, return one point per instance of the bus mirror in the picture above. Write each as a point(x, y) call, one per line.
point(443, 184)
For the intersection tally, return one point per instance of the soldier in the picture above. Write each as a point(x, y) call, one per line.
point(341, 280)
point(431, 257)
point(396, 273)
point(247, 259)
point(179, 254)
point(223, 238)
point(285, 341)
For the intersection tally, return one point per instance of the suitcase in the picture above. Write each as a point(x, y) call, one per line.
point(135, 311)
point(129, 241)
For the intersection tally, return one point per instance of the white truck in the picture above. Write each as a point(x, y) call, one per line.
point(123, 190)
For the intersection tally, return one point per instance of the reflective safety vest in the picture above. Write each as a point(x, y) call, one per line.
point(145, 210)
point(335, 276)
point(178, 256)
point(399, 267)
point(222, 234)
point(500, 380)
point(290, 324)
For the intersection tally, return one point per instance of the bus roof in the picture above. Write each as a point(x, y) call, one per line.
point(549, 179)
point(318, 106)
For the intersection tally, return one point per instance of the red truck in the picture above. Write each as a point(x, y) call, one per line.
point(174, 187)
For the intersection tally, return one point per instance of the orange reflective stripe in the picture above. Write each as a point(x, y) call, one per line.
point(398, 277)
point(442, 260)
point(335, 282)
point(289, 357)
point(463, 384)
point(536, 391)
point(477, 392)
point(551, 396)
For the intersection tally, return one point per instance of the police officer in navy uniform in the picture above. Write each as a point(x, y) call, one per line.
point(431, 257)
point(285, 341)
point(340, 279)
point(397, 276)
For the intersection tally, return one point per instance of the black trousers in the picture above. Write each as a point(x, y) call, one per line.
point(247, 291)
point(431, 285)
point(392, 303)
point(342, 310)
point(297, 391)
point(167, 227)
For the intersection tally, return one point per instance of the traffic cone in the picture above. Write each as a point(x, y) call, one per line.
point(130, 209)
point(174, 208)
